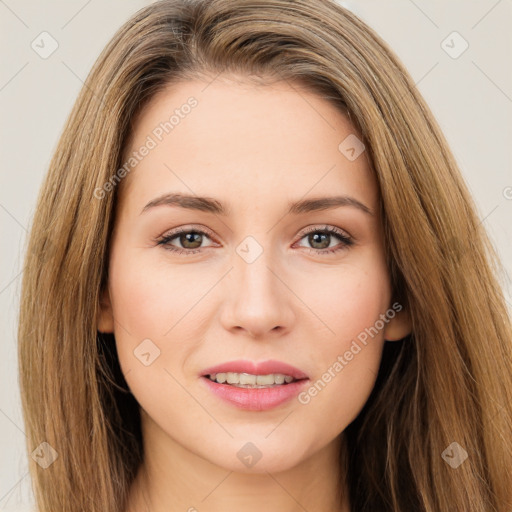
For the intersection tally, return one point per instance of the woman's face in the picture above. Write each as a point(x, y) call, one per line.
point(245, 275)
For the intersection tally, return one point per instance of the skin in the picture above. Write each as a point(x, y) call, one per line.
point(254, 148)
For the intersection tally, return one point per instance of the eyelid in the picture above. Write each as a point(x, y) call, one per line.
point(185, 229)
point(325, 227)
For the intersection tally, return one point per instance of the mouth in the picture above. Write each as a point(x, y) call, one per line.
point(255, 386)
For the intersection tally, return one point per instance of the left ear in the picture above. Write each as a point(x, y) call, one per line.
point(399, 326)
point(105, 314)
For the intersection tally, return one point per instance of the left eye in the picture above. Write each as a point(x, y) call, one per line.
point(191, 240)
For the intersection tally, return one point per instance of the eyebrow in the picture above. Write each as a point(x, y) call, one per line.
point(210, 205)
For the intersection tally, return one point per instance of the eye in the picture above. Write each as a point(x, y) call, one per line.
point(321, 238)
point(190, 240)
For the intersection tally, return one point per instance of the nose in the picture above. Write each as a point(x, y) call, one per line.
point(258, 301)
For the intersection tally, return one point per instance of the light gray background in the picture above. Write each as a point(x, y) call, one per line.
point(471, 96)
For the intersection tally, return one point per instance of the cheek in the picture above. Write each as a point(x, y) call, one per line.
point(349, 348)
point(149, 296)
point(345, 300)
point(151, 306)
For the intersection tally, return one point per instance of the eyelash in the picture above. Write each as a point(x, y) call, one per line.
point(346, 241)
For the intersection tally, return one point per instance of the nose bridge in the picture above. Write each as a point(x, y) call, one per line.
point(252, 267)
point(257, 299)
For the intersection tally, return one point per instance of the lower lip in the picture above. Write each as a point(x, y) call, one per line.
point(256, 399)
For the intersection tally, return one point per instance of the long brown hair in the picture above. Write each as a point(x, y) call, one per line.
point(449, 382)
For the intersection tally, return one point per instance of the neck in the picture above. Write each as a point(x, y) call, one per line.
point(172, 478)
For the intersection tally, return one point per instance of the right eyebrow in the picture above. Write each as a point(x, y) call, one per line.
point(205, 204)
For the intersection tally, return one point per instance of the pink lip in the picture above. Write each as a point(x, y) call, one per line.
point(256, 399)
point(263, 368)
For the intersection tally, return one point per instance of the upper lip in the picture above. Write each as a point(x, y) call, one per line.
point(261, 368)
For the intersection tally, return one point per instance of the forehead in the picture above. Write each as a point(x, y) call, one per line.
point(241, 141)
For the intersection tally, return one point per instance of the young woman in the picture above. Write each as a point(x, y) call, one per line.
point(256, 280)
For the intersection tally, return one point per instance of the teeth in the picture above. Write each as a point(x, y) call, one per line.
point(245, 378)
point(249, 380)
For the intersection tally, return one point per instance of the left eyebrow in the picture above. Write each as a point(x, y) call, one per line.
point(210, 205)
point(327, 203)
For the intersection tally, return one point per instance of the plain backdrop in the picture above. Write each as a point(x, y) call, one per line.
point(468, 89)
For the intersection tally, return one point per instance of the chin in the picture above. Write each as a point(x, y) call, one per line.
point(259, 456)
